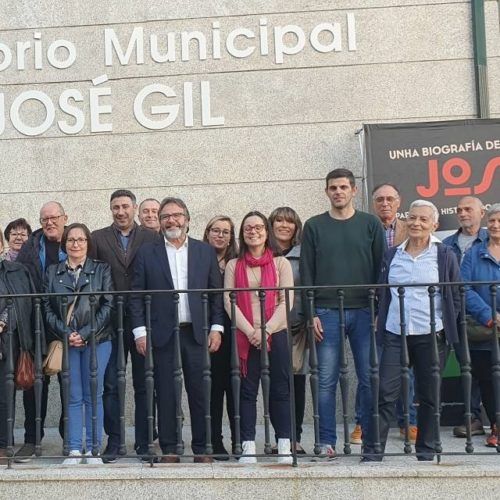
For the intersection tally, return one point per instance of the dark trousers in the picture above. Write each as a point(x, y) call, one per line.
point(110, 398)
point(299, 385)
point(475, 393)
point(221, 385)
point(419, 350)
point(30, 411)
point(192, 355)
point(482, 372)
point(279, 396)
point(4, 403)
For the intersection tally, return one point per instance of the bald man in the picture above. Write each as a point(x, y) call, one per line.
point(40, 251)
point(470, 211)
point(148, 214)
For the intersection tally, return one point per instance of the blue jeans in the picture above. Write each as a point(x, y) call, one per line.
point(80, 395)
point(357, 329)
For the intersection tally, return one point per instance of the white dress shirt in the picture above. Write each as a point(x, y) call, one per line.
point(178, 263)
point(406, 269)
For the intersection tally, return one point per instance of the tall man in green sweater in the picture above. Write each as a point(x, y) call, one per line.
point(341, 247)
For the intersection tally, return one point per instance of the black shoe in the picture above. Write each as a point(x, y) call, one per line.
point(145, 456)
point(110, 455)
point(220, 450)
point(25, 453)
point(369, 455)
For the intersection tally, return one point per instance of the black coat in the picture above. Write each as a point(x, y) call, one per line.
point(29, 256)
point(152, 272)
point(107, 248)
point(16, 280)
point(94, 277)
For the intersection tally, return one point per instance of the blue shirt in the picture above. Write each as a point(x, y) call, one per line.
point(406, 269)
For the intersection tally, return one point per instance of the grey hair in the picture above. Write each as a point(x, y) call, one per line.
point(56, 203)
point(175, 201)
point(425, 203)
point(494, 209)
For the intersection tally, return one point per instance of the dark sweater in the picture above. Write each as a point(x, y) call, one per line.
point(342, 252)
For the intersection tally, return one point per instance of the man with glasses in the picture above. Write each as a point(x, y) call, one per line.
point(342, 246)
point(176, 262)
point(117, 245)
point(386, 200)
point(148, 214)
point(40, 251)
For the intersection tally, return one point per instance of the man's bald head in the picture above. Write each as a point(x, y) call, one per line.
point(470, 211)
point(53, 219)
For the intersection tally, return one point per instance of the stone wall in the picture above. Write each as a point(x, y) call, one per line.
point(273, 130)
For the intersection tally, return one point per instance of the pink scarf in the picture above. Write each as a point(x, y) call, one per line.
point(244, 299)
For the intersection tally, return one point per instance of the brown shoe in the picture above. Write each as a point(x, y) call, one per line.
point(492, 439)
point(356, 435)
point(170, 459)
point(412, 433)
point(476, 429)
point(202, 459)
point(3, 456)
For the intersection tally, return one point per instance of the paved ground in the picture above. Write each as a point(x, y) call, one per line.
point(52, 447)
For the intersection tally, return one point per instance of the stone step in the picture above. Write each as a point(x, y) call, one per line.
point(466, 476)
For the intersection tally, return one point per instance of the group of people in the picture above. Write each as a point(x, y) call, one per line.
point(341, 247)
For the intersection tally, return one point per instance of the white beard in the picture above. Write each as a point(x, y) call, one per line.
point(173, 233)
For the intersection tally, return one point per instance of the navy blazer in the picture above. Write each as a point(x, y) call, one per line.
point(152, 272)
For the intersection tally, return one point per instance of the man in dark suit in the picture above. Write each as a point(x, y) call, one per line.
point(118, 245)
point(177, 262)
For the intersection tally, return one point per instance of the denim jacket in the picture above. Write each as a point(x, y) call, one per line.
point(479, 265)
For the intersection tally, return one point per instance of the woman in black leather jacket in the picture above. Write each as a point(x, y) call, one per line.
point(81, 274)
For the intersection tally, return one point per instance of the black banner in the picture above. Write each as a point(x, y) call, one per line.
point(436, 161)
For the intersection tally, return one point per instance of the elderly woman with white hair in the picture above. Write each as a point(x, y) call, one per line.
point(482, 263)
point(422, 258)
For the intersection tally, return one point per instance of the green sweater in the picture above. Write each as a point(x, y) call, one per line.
point(342, 252)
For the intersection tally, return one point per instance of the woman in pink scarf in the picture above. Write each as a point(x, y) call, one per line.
point(258, 267)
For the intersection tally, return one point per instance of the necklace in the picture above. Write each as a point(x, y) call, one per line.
point(222, 264)
point(256, 279)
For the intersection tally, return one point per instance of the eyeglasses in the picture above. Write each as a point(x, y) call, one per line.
point(258, 228)
point(13, 234)
point(388, 199)
point(220, 232)
point(52, 219)
point(78, 241)
point(175, 216)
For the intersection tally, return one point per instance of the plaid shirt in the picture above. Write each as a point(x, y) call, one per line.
point(390, 233)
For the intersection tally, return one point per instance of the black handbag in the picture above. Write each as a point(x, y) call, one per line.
point(476, 332)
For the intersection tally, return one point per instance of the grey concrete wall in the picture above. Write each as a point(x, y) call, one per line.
point(285, 125)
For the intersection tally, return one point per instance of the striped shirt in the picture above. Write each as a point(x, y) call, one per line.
point(406, 269)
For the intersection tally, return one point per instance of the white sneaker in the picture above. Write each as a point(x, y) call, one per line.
point(91, 460)
point(248, 449)
point(329, 452)
point(284, 449)
point(73, 461)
